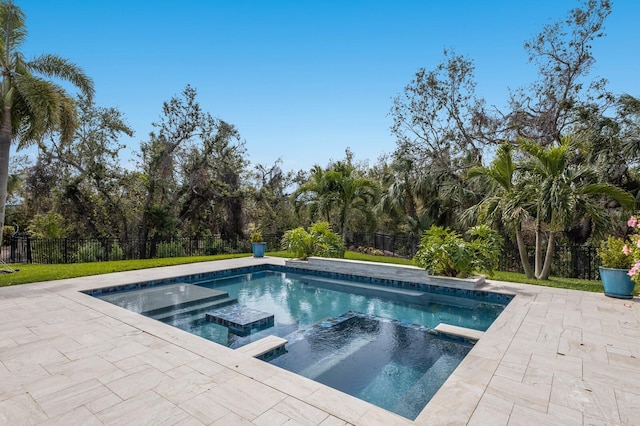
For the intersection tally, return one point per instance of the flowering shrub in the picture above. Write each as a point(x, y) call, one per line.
point(633, 249)
point(623, 253)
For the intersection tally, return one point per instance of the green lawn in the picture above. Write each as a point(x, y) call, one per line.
point(37, 273)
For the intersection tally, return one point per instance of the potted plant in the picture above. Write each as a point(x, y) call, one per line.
point(618, 268)
point(258, 245)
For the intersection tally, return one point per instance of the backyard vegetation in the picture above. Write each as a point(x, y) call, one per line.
point(559, 165)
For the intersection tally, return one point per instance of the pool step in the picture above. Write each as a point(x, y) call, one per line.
point(346, 285)
point(203, 307)
point(174, 301)
point(426, 386)
point(263, 346)
point(454, 330)
point(240, 319)
point(329, 361)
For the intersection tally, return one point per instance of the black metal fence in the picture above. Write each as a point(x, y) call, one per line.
point(569, 261)
point(70, 250)
point(396, 245)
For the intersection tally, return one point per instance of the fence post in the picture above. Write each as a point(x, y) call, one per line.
point(14, 249)
point(29, 254)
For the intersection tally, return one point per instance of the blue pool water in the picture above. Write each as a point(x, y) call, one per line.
point(374, 342)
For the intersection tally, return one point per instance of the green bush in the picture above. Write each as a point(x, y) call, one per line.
point(169, 249)
point(613, 255)
point(215, 247)
point(318, 241)
point(49, 225)
point(256, 237)
point(444, 251)
point(90, 252)
point(7, 232)
point(116, 252)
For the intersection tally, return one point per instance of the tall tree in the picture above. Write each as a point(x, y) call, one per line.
point(93, 185)
point(443, 128)
point(315, 195)
point(272, 211)
point(551, 107)
point(32, 105)
point(192, 167)
point(558, 190)
point(502, 205)
point(438, 120)
point(351, 192)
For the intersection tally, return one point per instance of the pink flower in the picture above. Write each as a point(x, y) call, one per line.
point(634, 269)
point(626, 250)
point(632, 222)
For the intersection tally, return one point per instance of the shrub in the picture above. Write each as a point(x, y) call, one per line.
point(7, 234)
point(214, 247)
point(49, 225)
point(116, 252)
point(169, 249)
point(91, 251)
point(613, 255)
point(256, 237)
point(444, 251)
point(318, 241)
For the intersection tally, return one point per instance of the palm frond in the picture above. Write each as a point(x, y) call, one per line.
point(55, 66)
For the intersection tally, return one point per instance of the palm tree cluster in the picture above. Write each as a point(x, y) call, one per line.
point(335, 194)
point(548, 191)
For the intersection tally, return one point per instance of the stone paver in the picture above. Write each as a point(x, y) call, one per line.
point(553, 357)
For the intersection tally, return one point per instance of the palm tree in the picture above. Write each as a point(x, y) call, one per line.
point(350, 192)
point(502, 205)
point(32, 106)
point(315, 195)
point(399, 197)
point(556, 190)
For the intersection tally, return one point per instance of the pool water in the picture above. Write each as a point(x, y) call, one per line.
point(373, 342)
point(384, 362)
point(298, 302)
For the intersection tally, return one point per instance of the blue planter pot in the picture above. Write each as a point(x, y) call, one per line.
point(616, 283)
point(258, 249)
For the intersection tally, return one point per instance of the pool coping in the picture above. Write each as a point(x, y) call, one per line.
point(553, 356)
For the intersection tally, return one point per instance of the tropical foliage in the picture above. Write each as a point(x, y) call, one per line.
point(445, 252)
point(318, 241)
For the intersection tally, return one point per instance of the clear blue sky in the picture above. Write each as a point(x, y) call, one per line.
point(303, 80)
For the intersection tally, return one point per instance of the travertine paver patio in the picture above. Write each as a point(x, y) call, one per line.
point(556, 357)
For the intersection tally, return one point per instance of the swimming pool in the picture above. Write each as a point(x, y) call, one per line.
point(386, 331)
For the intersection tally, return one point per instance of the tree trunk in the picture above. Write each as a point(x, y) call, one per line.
point(5, 150)
point(522, 250)
point(538, 255)
point(546, 270)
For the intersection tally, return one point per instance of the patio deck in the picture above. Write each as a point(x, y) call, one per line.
point(552, 357)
